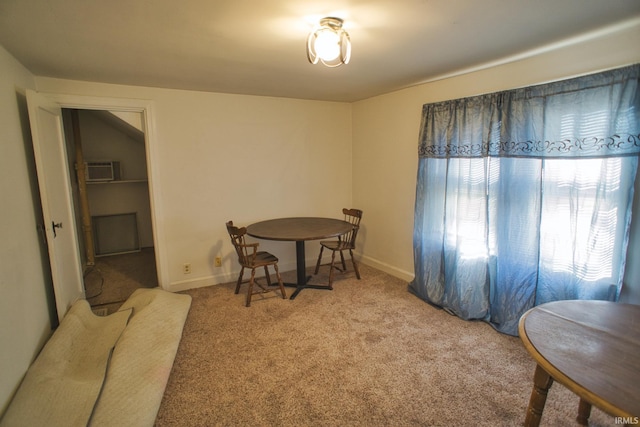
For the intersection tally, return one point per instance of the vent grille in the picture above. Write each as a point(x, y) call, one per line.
point(115, 234)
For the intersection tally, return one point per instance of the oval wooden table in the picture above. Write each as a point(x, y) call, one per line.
point(299, 230)
point(593, 349)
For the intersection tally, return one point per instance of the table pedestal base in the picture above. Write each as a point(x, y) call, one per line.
point(305, 286)
point(302, 279)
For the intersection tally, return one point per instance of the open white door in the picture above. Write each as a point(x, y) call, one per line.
point(52, 168)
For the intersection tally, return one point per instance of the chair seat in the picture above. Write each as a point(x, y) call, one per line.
point(336, 245)
point(264, 258)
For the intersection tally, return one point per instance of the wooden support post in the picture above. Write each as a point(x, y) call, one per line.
point(87, 228)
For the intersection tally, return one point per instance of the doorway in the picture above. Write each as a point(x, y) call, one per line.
point(112, 204)
point(54, 182)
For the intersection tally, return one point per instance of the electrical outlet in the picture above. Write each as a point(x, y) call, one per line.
point(218, 261)
point(186, 268)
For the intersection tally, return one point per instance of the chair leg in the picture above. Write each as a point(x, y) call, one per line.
point(284, 294)
point(319, 259)
point(239, 280)
point(250, 291)
point(344, 265)
point(355, 265)
point(266, 274)
point(333, 256)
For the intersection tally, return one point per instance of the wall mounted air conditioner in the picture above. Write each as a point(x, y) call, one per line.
point(102, 171)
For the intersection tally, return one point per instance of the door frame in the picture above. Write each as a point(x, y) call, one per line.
point(146, 108)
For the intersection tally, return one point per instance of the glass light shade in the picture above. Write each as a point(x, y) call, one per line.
point(329, 44)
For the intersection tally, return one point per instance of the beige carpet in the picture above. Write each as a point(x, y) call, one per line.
point(368, 353)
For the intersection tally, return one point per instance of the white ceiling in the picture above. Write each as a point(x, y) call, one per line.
point(258, 46)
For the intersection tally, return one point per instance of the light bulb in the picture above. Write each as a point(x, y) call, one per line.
point(327, 44)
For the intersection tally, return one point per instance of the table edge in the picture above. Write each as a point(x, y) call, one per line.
point(563, 379)
point(277, 239)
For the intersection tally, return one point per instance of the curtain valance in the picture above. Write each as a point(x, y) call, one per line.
point(591, 116)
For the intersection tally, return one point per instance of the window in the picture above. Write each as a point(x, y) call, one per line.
point(524, 197)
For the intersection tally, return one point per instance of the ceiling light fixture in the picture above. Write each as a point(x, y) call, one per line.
point(329, 43)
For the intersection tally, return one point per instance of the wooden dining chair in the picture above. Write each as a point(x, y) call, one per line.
point(250, 257)
point(346, 242)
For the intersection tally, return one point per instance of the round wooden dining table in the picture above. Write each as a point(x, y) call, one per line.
point(299, 230)
point(593, 349)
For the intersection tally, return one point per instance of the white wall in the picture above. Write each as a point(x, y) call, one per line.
point(24, 304)
point(385, 135)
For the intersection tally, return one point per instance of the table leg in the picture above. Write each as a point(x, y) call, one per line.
point(584, 411)
point(542, 381)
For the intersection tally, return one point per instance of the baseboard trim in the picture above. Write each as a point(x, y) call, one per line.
point(227, 277)
point(387, 268)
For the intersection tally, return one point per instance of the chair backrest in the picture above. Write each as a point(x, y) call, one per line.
point(238, 240)
point(353, 216)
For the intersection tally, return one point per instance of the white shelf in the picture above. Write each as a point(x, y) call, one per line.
point(122, 181)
